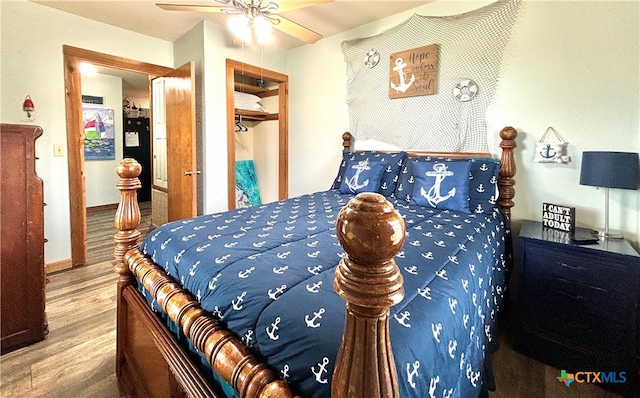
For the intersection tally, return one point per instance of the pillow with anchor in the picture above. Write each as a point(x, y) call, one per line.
point(393, 162)
point(441, 185)
point(482, 180)
point(362, 176)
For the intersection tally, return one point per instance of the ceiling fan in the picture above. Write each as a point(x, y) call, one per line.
point(259, 11)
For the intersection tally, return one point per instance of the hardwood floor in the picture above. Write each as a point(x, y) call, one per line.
point(77, 358)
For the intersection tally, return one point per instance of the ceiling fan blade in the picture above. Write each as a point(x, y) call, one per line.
point(298, 31)
point(289, 5)
point(192, 8)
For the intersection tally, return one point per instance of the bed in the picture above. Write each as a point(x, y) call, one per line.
point(251, 302)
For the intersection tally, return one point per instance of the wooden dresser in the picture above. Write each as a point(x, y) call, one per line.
point(22, 274)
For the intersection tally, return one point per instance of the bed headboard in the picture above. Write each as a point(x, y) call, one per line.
point(506, 181)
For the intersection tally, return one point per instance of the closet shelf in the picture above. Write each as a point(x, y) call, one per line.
point(249, 88)
point(255, 115)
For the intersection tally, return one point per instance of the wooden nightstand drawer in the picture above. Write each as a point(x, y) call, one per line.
point(605, 273)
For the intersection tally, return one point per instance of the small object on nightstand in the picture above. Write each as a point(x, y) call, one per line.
point(583, 236)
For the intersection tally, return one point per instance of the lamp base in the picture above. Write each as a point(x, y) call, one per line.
point(602, 234)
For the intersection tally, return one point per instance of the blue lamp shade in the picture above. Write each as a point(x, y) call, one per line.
point(609, 169)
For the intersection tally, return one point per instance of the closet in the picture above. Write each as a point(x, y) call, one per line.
point(23, 318)
point(258, 133)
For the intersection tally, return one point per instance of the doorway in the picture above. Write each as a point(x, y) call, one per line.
point(75, 138)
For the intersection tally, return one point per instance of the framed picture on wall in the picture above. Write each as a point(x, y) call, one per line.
point(99, 133)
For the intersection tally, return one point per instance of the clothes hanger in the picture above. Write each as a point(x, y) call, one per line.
point(240, 127)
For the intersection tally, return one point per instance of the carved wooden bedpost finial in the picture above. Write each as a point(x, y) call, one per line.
point(127, 216)
point(371, 231)
point(507, 170)
point(347, 141)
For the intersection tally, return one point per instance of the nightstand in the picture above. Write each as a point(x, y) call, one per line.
point(577, 305)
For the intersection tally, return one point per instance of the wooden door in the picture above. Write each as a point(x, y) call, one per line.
point(179, 90)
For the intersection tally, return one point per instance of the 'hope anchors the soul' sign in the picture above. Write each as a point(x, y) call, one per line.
point(558, 217)
point(413, 72)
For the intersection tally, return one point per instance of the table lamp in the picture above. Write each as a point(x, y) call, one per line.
point(609, 170)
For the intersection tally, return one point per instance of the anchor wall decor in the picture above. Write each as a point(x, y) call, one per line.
point(414, 72)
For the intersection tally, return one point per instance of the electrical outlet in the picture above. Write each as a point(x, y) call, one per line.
point(58, 150)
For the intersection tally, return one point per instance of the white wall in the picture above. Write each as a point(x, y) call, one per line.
point(99, 174)
point(31, 40)
point(572, 65)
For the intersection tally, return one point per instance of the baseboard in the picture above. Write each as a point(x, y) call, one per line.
point(94, 209)
point(58, 266)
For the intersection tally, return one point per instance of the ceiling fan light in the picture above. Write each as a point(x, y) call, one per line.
point(240, 25)
point(263, 29)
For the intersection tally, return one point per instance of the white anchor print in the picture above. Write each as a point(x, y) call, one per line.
point(462, 361)
point(280, 270)
point(222, 227)
point(275, 294)
point(187, 237)
point(213, 282)
point(285, 372)
point(238, 236)
point(428, 255)
point(426, 292)
point(404, 84)
point(313, 254)
point(155, 236)
point(247, 339)
point(217, 313)
point(315, 270)
point(222, 259)
point(440, 243)
point(415, 243)
point(442, 274)
point(312, 322)
point(403, 318)
point(192, 270)
point(176, 228)
point(352, 183)
point(452, 348)
point(254, 256)
point(283, 255)
point(412, 270)
point(412, 371)
point(164, 244)
point(212, 237)
point(274, 327)
point(202, 248)
point(235, 303)
point(436, 329)
point(178, 256)
point(433, 383)
point(259, 244)
point(453, 303)
point(322, 369)
point(453, 259)
point(465, 285)
point(230, 245)
point(315, 288)
point(245, 274)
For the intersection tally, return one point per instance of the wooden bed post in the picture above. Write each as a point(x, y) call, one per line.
point(507, 170)
point(126, 221)
point(371, 231)
point(347, 143)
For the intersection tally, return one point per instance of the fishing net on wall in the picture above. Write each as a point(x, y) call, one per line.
point(470, 47)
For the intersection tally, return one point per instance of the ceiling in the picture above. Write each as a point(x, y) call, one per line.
point(144, 17)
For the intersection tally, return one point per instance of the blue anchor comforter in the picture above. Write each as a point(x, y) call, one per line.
point(267, 272)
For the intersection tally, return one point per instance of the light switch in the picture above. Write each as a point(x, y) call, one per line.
point(58, 150)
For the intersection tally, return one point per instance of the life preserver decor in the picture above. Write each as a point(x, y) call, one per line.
point(465, 90)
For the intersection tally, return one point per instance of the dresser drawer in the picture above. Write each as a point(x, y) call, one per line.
point(606, 273)
point(599, 336)
point(545, 289)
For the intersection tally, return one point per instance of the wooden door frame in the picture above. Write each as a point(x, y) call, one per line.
point(73, 56)
point(283, 125)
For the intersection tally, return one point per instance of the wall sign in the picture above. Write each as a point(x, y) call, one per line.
point(92, 99)
point(559, 217)
point(413, 72)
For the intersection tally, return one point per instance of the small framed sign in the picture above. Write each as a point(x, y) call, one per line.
point(413, 72)
point(559, 217)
